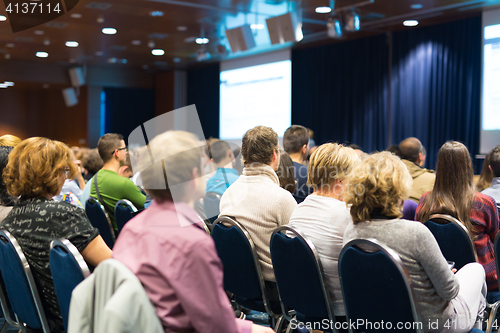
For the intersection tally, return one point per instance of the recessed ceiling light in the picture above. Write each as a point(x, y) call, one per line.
point(39, 32)
point(46, 86)
point(136, 42)
point(202, 40)
point(3, 18)
point(416, 6)
point(71, 44)
point(157, 52)
point(76, 15)
point(40, 54)
point(7, 56)
point(10, 45)
point(3, 86)
point(9, 83)
point(100, 19)
point(99, 53)
point(112, 60)
point(46, 42)
point(410, 23)
point(109, 31)
point(156, 13)
point(257, 26)
point(323, 10)
point(182, 28)
point(124, 61)
point(177, 60)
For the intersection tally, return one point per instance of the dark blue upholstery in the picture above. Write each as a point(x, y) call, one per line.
point(20, 294)
point(6, 306)
point(496, 305)
point(124, 211)
point(211, 203)
point(374, 288)
point(66, 273)
point(98, 219)
point(453, 242)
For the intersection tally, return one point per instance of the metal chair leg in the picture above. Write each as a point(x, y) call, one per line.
point(493, 313)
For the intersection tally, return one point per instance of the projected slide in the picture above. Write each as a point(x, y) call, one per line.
point(491, 80)
point(257, 95)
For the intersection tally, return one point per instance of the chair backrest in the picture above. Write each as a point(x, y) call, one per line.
point(124, 211)
point(299, 274)
point(376, 287)
point(20, 284)
point(211, 203)
point(100, 220)
point(454, 239)
point(242, 272)
point(68, 269)
point(6, 306)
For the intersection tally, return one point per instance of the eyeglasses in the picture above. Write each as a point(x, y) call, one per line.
point(124, 148)
point(67, 172)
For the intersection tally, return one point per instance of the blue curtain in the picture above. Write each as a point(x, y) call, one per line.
point(340, 92)
point(436, 83)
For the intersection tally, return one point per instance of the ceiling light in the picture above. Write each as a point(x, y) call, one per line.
point(182, 28)
point(7, 56)
point(202, 40)
point(9, 83)
point(323, 10)
point(109, 31)
point(333, 27)
point(71, 44)
point(136, 42)
point(157, 52)
point(10, 45)
point(3, 86)
point(76, 15)
point(38, 32)
point(124, 61)
point(257, 26)
point(100, 19)
point(3, 18)
point(151, 44)
point(410, 23)
point(46, 42)
point(42, 54)
point(156, 13)
point(112, 60)
point(352, 22)
point(416, 6)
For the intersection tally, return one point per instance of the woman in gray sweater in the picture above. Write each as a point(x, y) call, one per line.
point(445, 301)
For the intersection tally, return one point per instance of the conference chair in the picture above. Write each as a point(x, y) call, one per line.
point(20, 285)
point(242, 272)
point(376, 287)
point(494, 306)
point(8, 314)
point(124, 211)
point(300, 277)
point(454, 240)
point(68, 269)
point(211, 203)
point(100, 220)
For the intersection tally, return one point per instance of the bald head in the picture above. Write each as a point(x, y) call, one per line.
point(411, 148)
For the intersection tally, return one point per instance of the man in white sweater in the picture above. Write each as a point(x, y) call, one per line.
point(256, 199)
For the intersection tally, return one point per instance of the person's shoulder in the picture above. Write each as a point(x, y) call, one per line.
point(485, 199)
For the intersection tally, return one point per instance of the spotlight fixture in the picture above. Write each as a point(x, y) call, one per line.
point(109, 31)
point(202, 55)
point(42, 54)
point(3, 18)
point(410, 23)
point(157, 52)
point(71, 44)
point(352, 22)
point(202, 41)
point(334, 27)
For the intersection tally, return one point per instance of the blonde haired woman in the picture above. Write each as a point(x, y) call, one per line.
point(323, 216)
point(377, 188)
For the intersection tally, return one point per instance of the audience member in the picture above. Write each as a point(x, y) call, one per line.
point(73, 188)
point(9, 140)
point(296, 144)
point(441, 297)
point(168, 250)
point(455, 194)
point(6, 200)
point(126, 169)
point(286, 173)
point(257, 201)
point(394, 149)
point(423, 157)
point(358, 150)
point(486, 177)
point(323, 216)
point(238, 160)
point(494, 166)
point(92, 163)
point(221, 154)
point(423, 179)
point(36, 172)
point(111, 186)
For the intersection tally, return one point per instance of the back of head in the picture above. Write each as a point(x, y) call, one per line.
point(379, 183)
point(9, 140)
point(295, 138)
point(176, 154)
point(258, 145)
point(286, 172)
point(217, 150)
point(330, 162)
point(92, 161)
point(394, 149)
point(5, 198)
point(35, 166)
point(107, 144)
point(495, 161)
point(410, 149)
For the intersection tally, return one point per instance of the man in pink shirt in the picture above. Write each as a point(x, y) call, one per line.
point(168, 250)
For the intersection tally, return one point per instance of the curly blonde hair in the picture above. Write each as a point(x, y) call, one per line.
point(34, 167)
point(381, 181)
point(9, 140)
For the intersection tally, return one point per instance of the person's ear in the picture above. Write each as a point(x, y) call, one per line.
point(230, 154)
point(304, 149)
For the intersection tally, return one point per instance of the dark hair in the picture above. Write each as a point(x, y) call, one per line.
point(454, 190)
point(295, 138)
point(495, 161)
point(258, 145)
point(5, 198)
point(107, 144)
point(218, 150)
point(238, 163)
point(286, 172)
point(486, 176)
point(394, 149)
point(410, 148)
point(354, 146)
point(92, 162)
